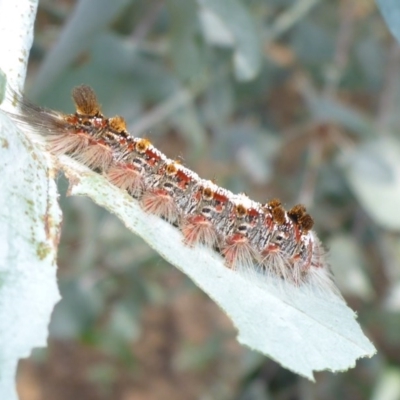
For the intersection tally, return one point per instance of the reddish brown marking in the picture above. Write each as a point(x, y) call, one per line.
point(72, 119)
point(271, 248)
point(99, 122)
point(198, 229)
point(126, 177)
point(183, 176)
point(160, 192)
point(152, 155)
point(152, 162)
point(268, 221)
point(220, 197)
point(236, 238)
point(160, 203)
point(198, 219)
point(198, 195)
point(252, 212)
point(297, 232)
point(237, 250)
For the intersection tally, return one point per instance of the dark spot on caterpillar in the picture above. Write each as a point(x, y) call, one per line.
point(171, 169)
point(296, 213)
point(241, 211)
point(208, 193)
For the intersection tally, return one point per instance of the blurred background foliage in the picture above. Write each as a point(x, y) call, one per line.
point(296, 99)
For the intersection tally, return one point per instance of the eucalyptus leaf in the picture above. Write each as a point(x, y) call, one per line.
point(29, 232)
point(29, 213)
point(215, 30)
point(236, 19)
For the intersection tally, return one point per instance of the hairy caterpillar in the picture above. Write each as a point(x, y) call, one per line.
point(248, 235)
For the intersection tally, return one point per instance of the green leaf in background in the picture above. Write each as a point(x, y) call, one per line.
point(77, 36)
point(29, 233)
point(388, 386)
point(185, 48)
point(390, 10)
point(331, 110)
point(347, 262)
point(373, 172)
point(233, 17)
point(298, 328)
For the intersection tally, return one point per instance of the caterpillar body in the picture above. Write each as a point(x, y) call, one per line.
point(248, 235)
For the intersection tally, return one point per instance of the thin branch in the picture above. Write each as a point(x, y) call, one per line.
point(314, 156)
point(387, 103)
point(290, 17)
point(343, 46)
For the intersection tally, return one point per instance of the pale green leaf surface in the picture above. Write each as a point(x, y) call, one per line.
point(214, 29)
point(373, 172)
point(302, 330)
point(29, 230)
